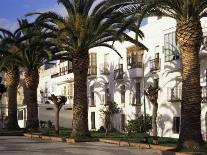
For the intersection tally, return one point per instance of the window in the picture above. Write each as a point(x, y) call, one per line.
point(107, 95)
point(93, 125)
point(92, 96)
point(204, 45)
point(137, 95)
point(118, 73)
point(123, 122)
point(20, 115)
point(70, 67)
point(170, 47)
point(46, 92)
point(134, 57)
point(123, 94)
point(64, 91)
point(156, 82)
point(106, 60)
point(176, 124)
point(155, 63)
point(70, 90)
point(175, 93)
point(92, 64)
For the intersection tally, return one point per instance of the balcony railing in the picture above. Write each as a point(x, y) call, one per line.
point(118, 73)
point(63, 72)
point(134, 61)
point(92, 70)
point(204, 94)
point(174, 94)
point(154, 64)
point(104, 69)
point(135, 65)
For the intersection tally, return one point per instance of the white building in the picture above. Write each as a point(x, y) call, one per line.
point(124, 80)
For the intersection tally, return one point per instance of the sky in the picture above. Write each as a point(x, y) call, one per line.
point(11, 10)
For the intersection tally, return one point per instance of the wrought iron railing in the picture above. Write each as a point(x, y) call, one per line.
point(62, 72)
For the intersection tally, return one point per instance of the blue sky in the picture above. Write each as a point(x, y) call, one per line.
point(13, 9)
point(10, 10)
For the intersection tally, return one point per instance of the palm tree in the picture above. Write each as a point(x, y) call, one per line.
point(88, 24)
point(189, 34)
point(9, 64)
point(34, 52)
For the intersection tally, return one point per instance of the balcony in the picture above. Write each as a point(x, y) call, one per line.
point(118, 73)
point(174, 94)
point(204, 94)
point(104, 69)
point(154, 65)
point(92, 71)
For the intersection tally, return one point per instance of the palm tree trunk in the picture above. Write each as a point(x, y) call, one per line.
point(154, 123)
point(31, 83)
point(189, 37)
point(57, 111)
point(80, 106)
point(12, 79)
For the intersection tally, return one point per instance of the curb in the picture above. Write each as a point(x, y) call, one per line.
point(163, 150)
point(43, 137)
point(71, 140)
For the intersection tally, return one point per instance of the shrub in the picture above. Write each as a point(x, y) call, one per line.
point(49, 124)
point(137, 125)
point(42, 124)
point(102, 129)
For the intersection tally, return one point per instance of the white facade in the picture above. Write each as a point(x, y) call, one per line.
point(126, 86)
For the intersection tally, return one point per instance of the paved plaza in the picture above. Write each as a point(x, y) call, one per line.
point(23, 146)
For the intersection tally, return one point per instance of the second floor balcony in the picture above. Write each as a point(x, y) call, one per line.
point(62, 71)
point(154, 64)
point(119, 73)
